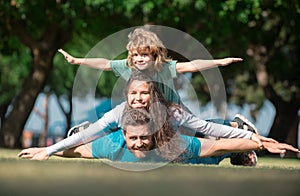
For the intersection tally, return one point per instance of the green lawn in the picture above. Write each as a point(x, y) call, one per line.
point(59, 176)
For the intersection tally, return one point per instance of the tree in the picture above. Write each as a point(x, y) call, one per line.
point(43, 27)
point(268, 39)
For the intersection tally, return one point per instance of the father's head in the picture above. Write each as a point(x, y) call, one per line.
point(138, 131)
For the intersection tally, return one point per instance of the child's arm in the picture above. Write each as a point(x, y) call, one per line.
point(199, 64)
point(96, 63)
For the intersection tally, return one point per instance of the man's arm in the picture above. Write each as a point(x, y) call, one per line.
point(222, 146)
point(96, 63)
point(199, 64)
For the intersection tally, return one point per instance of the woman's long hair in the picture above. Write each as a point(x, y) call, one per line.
point(167, 140)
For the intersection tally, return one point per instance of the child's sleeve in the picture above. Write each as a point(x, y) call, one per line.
point(120, 68)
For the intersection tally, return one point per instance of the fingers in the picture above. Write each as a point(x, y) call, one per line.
point(26, 156)
point(289, 147)
point(237, 59)
point(23, 153)
point(279, 147)
point(266, 139)
point(256, 138)
point(29, 152)
point(276, 150)
point(67, 56)
point(271, 140)
point(62, 51)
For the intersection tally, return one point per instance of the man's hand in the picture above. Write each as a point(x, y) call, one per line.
point(278, 147)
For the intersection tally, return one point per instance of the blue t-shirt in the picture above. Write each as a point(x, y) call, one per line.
point(164, 77)
point(113, 147)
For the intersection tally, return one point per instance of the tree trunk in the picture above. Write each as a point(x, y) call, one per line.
point(3, 110)
point(24, 102)
point(285, 126)
point(43, 51)
point(68, 114)
point(292, 138)
point(45, 116)
point(284, 122)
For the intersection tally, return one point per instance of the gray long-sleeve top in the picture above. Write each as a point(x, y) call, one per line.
point(112, 119)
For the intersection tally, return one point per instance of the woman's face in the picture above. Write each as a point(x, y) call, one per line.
point(138, 94)
point(143, 60)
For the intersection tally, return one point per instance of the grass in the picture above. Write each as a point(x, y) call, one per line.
point(59, 176)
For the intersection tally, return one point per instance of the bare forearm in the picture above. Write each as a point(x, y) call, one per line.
point(218, 147)
point(69, 153)
point(195, 65)
point(200, 64)
point(96, 63)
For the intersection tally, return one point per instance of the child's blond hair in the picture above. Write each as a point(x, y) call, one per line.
point(143, 40)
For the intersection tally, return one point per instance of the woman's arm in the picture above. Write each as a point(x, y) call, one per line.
point(96, 63)
point(192, 122)
point(96, 130)
point(199, 64)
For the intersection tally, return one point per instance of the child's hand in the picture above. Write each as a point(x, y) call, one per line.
point(68, 57)
point(227, 61)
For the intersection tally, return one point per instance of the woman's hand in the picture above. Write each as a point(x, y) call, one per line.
point(34, 154)
point(259, 139)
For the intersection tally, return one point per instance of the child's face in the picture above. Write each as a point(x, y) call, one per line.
point(142, 60)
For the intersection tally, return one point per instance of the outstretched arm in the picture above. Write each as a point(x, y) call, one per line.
point(218, 147)
point(96, 63)
point(199, 64)
point(94, 131)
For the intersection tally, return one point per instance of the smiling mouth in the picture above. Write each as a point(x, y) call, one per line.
point(142, 150)
point(141, 65)
point(138, 103)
